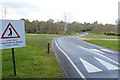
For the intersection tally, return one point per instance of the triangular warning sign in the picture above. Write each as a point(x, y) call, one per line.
point(10, 32)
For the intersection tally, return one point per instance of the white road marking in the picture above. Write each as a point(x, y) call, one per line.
point(99, 55)
point(106, 50)
point(92, 44)
point(80, 73)
point(107, 65)
point(97, 50)
point(89, 67)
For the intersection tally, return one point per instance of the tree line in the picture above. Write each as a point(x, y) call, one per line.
point(63, 28)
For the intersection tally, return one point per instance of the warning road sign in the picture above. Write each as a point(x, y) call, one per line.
point(12, 34)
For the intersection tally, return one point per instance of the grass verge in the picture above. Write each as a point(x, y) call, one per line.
point(32, 61)
point(50, 35)
point(105, 43)
point(100, 36)
point(44, 35)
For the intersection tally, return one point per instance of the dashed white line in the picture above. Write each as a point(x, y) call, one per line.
point(107, 65)
point(89, 67)
point(106, 50)
point(97, 50)
point(80, 73)
point(100, 55)
point(92, 44)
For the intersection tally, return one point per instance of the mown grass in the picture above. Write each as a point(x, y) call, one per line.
point(32, 61)
point(105, 43)
point(50, 35)
point(44, 35)
point(100, 36)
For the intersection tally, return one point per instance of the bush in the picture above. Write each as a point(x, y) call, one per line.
point(112, 33)
point(118, 34)
point(85, 30)
point(109, 33)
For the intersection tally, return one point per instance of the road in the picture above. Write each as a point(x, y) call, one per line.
point(79, 59)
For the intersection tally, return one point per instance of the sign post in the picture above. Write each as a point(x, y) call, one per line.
point(12, 35)
point(13, 58)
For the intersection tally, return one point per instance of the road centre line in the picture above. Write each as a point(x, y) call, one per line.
point(106, 50)
point(97, 50)
point(99, 54)
point(79, 72)
point(92, 44)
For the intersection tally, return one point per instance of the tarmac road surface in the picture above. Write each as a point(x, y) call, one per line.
point(79, 59)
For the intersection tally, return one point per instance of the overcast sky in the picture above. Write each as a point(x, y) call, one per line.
point(103, 11)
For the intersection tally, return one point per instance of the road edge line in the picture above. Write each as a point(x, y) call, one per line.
point(63, 72)
point(80, 73)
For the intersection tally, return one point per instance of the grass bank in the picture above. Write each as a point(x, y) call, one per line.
point(44, 35)
point(105, 43)
point(50, 35)
point(32, 61)
point(100, 36)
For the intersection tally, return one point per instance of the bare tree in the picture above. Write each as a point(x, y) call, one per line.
point(66, 19)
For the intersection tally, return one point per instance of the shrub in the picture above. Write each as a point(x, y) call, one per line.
point(112, 33)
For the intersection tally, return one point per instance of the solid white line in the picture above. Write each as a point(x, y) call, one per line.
point(89, 67)
point(99, 55)
point(106, 50)
point(80, 73)
point(107, 65)
point(97, 50)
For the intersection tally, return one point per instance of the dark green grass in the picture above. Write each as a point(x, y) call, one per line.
point(100, 36)
point(105, 43)
point(32, 61)
point(49, 35)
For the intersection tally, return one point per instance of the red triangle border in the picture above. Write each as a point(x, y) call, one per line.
point(6, 30)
